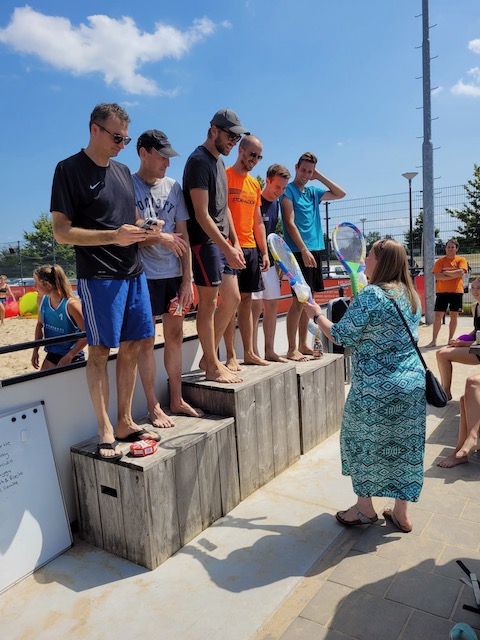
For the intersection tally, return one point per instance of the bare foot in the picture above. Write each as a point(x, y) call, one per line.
point(451, 461)
point(251, 358)
point(159, 418)
point(306, 350)
point(202, 364)
point(431, 344)
point(273, 357)
point(296, 356)
point(468, 446)
point(232, 364)
point(222, 374)
point(183, 408)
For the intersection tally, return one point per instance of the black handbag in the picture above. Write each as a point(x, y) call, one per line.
point(434, 392)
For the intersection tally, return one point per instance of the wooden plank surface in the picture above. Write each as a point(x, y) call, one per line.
point(111, 516)
point(292, 416)
point(228, 468)
point(209, 480)
point(162, 504)
point(263, 418)
point(88, 508)
point(279, 423)
point(247, 446)
point(188, 495)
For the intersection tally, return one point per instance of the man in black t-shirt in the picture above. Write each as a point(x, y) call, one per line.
point(215, 261)
point(93, 208)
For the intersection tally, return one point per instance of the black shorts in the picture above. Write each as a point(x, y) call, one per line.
point(250, 278)
point(209, 265)
point(161, 292)
point(313, 275)
point(55, 358)
point(453, 300)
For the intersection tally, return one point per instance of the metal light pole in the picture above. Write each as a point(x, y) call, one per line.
point(410, 175)
point(363, 220)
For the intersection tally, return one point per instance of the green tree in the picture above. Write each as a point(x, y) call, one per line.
point(40, 247)
point(469, 231)
point(417, 234)
point(371, 238)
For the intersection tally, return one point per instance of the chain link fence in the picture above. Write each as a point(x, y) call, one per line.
point(376, 216)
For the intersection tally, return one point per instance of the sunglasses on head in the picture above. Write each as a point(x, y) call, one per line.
point(117, 138)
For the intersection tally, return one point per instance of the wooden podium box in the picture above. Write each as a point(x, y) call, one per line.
point(265, 409)
point(145, 509)
point(321, 397)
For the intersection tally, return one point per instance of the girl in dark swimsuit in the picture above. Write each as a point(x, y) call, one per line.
point(5, 292)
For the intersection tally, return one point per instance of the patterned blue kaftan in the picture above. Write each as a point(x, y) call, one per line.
point(382, 438)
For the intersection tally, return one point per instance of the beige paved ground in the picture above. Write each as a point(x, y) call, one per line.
point(377, 583)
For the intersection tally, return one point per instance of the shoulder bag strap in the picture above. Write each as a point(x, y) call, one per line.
point(409, 333)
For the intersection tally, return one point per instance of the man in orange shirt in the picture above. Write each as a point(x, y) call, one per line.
point(244, 200)
point(448, 272)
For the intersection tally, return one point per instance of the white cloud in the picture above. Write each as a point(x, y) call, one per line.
point(115, 48)
point(464, 89)
point(474, 45)
point(471, 89)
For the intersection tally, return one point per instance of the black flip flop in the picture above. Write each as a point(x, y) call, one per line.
point(111, 446)
point(136, 436)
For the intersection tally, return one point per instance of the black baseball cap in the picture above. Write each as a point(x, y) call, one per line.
point(158, 140)
point(228, 119)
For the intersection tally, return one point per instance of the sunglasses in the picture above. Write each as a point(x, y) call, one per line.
point(254, 155)
point(117, 138)
point(233, 137)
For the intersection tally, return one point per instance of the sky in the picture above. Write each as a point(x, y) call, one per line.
point(336, 78)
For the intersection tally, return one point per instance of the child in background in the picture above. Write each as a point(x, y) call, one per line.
point(59, 314)
point(4, 292)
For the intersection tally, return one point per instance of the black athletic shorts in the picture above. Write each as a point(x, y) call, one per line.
point(161, 292)
point(454, 300)
point(250, 278)
point(313, 275)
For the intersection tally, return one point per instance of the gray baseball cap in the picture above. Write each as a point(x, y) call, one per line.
point(228, 119)
point(158, 140)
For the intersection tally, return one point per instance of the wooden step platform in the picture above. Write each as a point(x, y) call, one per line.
point(321, 397)
point(265, 409)
point(145, 509)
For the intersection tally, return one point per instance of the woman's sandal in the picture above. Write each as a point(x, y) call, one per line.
point(361, 518)
point(389, 515)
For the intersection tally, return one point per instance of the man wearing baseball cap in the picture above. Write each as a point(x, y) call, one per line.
point(215, 248)
point(167, 264)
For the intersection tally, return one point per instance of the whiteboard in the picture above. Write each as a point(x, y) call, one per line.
point(34, 527)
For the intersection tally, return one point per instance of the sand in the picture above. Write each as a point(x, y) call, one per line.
point(20, 330)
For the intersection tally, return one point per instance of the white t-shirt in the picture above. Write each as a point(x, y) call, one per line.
point(164, 201)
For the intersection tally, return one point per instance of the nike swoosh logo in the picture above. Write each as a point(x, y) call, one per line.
point(92, 186)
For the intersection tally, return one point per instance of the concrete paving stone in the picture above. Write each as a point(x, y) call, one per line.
point(471, 511)
point(467, 485)
point(452, 531)
point(462, 615)
point(324, 605)
point(447, 566)
point(434, 499)
point(368, 617)
point(427, 627)
point(302, 629)
point(367, 572)
point(428, 592)
point(411, 550)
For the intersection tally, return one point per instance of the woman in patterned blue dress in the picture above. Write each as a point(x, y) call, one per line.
point(382, 436)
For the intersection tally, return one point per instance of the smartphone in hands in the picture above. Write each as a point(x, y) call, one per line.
point(149, 223)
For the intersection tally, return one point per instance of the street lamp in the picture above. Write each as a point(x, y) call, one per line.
point(363, 220)
point(410, 175)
